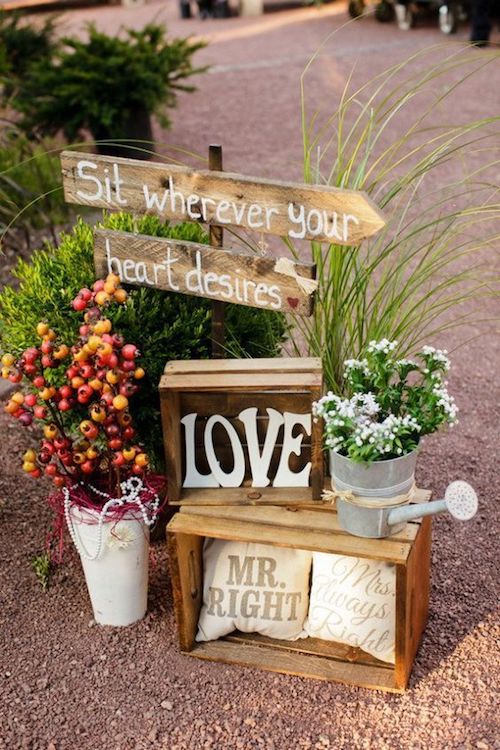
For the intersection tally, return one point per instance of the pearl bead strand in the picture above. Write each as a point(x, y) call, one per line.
point(131, 490)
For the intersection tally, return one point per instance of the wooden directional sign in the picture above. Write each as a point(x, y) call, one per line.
point(326, 214)
point(204, 271)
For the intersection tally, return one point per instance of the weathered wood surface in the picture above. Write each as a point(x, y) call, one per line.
point(203, 271)
point(311, 212)
point(274, 366)
point(216, 240)
point(296, 663)
point(295, 538)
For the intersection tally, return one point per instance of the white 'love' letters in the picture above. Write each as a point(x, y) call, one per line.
point(259, 457)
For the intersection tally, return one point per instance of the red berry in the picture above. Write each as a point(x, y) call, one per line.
point(30, 370)
point(44, 456)
point(87, 467)
point(129, 351)
point(79, 304)
point(30, 399)
point(59, 481)
point(128, 433)
point(39, 381)
point(15, 377)
point(47, 361)
point(64, 405)
point(66, 391)
point(87, 372)
point(98, 285)
point(112, 430)
point(85, 392)
point(36, 473)
point(40, 412)
point(128, 365)
point(115, 443)
point(118, 459)
point(31, 355)
point(25, 418)
point(51, 470)
point(47, 347)
point(84, 330)
point(85, 294)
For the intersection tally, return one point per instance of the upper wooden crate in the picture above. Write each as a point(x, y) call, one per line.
point(241, 431)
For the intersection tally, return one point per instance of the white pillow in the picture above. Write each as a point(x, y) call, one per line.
point(253, 588)
point(352, 601)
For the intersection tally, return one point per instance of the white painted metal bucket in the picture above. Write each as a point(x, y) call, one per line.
point(115, 557)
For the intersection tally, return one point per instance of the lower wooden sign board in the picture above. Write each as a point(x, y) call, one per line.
point(192, 268)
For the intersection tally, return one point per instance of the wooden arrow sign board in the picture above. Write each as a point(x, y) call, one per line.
point(309, 212)
point(203, 271)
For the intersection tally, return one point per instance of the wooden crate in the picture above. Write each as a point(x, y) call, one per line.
point(315, 530)
point(226, 388)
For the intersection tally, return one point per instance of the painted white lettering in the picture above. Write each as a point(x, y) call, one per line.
point(261, 289)
point(80, 167)
point(225, 282)
point(169, 262)
point(174, 195)
point(284, 477)
point(260, 462)
point(152, 201)
point(236, 476)
point(193, 478)
point(257, 222)
point(269, 213)
point(195, 276)
point(114, 265)
point(274, 293)
point(209, 278)
point(191, 203)
point(314, 217)
point(347, 219)
point(221, 208)
point(298, 219)
point(128, 265)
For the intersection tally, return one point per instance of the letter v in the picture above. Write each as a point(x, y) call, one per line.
point(260, 462)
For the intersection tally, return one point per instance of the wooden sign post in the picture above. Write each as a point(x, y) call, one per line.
point(216, 240)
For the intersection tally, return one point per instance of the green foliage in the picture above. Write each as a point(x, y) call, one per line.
point(21, 46)
point(100, 84)
point(42, 568)
point(391, 404)
point(430, 268)
point(31, 195)
point(163, 325)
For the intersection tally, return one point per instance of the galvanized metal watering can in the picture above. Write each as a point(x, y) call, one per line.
point(380, 521)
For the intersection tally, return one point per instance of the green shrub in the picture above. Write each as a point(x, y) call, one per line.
point(102, 83)
point(163, 325)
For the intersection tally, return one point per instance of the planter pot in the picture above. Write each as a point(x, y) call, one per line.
point(138, 134)
point(113, 543)
point(115, 557)
point(373, 488)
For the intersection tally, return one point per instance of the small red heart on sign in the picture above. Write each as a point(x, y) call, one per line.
point(292, 301)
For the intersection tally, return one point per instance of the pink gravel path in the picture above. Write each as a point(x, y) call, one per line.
point(66, 684)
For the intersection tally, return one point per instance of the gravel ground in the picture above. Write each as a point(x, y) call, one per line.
point(67, 684)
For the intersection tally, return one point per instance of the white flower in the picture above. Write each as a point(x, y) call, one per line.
point(384, 345)
point(120, 537)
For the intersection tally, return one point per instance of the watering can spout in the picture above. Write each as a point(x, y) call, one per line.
point(460, 500)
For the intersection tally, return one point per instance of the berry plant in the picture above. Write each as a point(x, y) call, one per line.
point(80, 394)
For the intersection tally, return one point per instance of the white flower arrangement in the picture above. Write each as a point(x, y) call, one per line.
point(386, 415)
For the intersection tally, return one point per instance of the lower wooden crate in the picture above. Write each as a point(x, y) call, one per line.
point(315, 530)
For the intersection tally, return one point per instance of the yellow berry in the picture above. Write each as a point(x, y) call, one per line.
point(8, 360)
point(141, 459)
point(93, 343)
point(120, 402)
point(30, 455)
point(42, 329)
point(18, 398)
point(139, 373)
point(102, 298)
point(5, 372)
point(29, 466)
point(120, 296)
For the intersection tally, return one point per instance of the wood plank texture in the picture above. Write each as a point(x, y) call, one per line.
point(298, 211)
point(271, 365)
point(295, 538)
point(199, 270)
point(296, 663)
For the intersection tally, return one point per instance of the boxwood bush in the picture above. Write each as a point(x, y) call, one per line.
point(163, 325)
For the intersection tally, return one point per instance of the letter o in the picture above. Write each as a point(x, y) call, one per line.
point(313, 213)
point(236, 476)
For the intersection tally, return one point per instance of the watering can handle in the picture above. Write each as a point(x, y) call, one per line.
point(410, 512)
